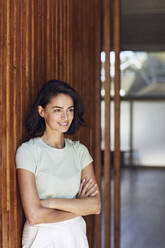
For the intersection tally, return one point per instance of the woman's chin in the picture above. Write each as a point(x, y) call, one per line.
point(64, 129)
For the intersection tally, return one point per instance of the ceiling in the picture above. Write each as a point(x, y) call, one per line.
point(143, 25)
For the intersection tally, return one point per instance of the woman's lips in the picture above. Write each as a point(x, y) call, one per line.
point(63, 124)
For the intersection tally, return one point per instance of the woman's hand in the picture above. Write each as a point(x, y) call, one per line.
point(87, 188)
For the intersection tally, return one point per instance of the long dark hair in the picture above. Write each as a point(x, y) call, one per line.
point(35, 124)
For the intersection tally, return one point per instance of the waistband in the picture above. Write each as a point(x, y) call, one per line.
point(70, 221)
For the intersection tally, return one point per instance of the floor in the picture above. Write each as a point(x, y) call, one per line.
point(142, 208)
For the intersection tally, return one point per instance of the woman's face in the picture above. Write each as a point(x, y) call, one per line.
point(58, 113)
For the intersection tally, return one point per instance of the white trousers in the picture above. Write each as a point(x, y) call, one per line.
point(66, 234)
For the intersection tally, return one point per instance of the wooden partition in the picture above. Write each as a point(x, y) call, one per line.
point(112, 33)
point(97, 130)
point(107, 140)
point(41, 40)
point(117, 125)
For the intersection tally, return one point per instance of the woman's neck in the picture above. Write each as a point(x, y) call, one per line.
point(54, 140)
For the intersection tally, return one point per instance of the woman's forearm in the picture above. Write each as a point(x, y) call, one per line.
point(80, 206)
point(47, 215)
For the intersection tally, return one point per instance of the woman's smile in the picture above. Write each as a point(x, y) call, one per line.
point(63, 124)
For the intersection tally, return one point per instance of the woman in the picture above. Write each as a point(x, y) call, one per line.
point(55, 174)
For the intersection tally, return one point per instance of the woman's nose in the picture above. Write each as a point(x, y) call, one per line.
point(64, 115)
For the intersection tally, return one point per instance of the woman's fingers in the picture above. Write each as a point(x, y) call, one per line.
point(86, 186)
point(89, 188)
point(92, 191)
point(81, 186)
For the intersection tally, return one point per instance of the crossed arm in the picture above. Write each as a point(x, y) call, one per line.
point(56, 210)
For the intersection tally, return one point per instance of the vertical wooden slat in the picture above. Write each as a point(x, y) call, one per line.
point(76, 17)
point(88, 48)
point(107, 200)
point(60, 20)
point(11, 122)
point(26, 56)
point(1, 111)
point(83, 19)
point(98, 165)
point(32, 46)
point(8, 74)
point(16, 238)
point(48, 40)
point(117, 125)
point(53, 38)
point(4, 215)
point(51, 41)
point(56, 37)
point(43, 13)
point(36, 43)
point(65, 40)
point(18, 107)
point(23, 60)
point(70, 40)
point(62, 64)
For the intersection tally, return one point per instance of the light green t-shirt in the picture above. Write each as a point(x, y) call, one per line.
point(57, 171)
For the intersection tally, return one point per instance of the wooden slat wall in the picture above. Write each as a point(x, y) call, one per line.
point(107, 148)
point(98, 164)
point(41, 40)
point(117, 125)
point(107, 165)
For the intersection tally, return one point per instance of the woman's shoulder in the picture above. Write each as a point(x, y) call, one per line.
point(27, 155)
point(28, 145)
point(72, 143)
point(82, 152)
point(76, 145)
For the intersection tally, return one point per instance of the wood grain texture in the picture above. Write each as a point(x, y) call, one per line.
point(117, 125)
point(98, 164)
point(41, 40)
point(107, 139)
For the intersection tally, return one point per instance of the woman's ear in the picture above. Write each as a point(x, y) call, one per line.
point(41, 111)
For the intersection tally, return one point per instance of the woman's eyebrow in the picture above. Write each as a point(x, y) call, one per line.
point(57, 107)
point(62, 107)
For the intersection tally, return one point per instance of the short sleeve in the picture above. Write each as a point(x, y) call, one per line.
point(25, 158)
point(84, 155)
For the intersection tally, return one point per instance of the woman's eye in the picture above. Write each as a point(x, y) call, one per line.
point(71, 110)
point(57, 110)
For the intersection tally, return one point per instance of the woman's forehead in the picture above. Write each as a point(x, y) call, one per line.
point(61, 100)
